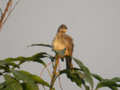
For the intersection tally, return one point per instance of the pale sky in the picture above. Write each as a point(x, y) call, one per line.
point(93, 24)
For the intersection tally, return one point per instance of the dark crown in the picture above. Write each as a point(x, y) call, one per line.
point(63, 26)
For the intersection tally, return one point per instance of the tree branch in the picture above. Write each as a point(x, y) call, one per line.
point(54, 72)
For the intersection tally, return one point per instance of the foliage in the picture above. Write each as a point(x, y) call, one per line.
point(17, 79)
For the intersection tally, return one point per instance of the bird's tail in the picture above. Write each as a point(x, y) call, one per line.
point(69, 64)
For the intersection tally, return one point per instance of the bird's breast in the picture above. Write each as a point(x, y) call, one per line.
point(58, 44)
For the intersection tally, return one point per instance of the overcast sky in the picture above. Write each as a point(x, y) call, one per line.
point(93, 24)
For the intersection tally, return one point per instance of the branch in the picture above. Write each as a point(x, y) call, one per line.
point(17, 2)
point(59, 80)
point(5, 12)
point(4, 18)
point(46, 67)
point(54, 73)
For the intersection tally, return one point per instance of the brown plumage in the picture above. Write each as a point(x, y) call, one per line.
point(63, 41)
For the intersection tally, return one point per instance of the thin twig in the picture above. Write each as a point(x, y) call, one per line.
point(59, 79)
point(54, 72)
point(3, 19)
point(9, 4)
point(47, 70)
point(17, 2)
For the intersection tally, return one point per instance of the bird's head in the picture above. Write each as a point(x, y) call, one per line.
point(62, 28)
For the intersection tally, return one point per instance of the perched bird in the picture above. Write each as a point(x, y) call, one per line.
point(63, 43)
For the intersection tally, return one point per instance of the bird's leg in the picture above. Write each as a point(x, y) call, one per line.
point(54, 72)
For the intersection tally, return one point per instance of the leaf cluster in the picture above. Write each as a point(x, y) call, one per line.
point(17, 79)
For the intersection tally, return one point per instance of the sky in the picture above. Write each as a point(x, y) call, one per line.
point(93, 24)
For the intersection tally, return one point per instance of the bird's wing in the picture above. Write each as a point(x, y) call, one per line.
point(69, 50)
point(68, 41)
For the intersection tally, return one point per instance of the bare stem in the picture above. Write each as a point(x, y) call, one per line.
point(54, 72)
point(9, 13)
point(47, 70)
point(5, 12)
point(59, 80)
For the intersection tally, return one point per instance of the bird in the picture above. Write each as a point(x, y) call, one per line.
point(63, 45)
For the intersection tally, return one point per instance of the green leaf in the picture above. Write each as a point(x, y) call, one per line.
point(111, 83)
point(35, 58)
point(40, 55)
point(5, 62)
point(113, 88)
point(73, 76)
point(86, 87)
point(98, 77)
point(2, 85)
point(116, 79)
point(5, 68)
point(88, 76)
point(11, 83)
point(107, 83)
point(27, 86)
point(35, 78)
point(39, 80)
point(45, 45)
point(30, 83)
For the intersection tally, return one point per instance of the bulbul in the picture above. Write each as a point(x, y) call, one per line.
point(63, 42)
